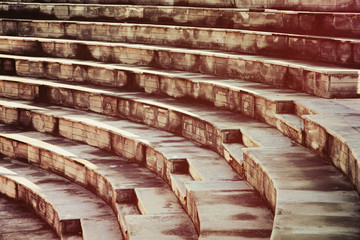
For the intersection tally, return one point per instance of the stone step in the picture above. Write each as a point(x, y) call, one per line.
point(153, 226)
point(291, 126)
point(61, 203)
point(321, 5)
point(301, 22)
point(178, 181)
point(206, 125)
point(263, 112)
point(295, 177)
point(98, 133)
point(253, 136)
point(116, 180)
point(17, 222)
point(153, 201)
point(327, 81)
point(257, 220)
point(124, 209)
point(160, 148)
point(332, 50)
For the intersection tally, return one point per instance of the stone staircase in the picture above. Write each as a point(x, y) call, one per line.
point(245, 113)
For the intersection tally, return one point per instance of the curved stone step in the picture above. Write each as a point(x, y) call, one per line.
point(61, 203)
point(318, 79)
point(206, 125)
point(158, 150)
point(304, 22)
point(253, 174)
point(340, 51)
point(331, 128)
point(266, 106)
point(296, 183)
point(202, 61)
point(297, 177)
point(321, 5)
point(17, 222)
point(119, 182)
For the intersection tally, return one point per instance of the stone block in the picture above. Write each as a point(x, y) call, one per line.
point(55, 30)
point(78, 132)
point(46, 159)
point(34, 155)
point(58, 164)
point(65, 72)
point(338, 153)
point(316, 137)
point(75, 171)
point(96, 103)
point(81, 100)
point(20, 150)
point(66, 128)
point(109, 106)
point(247, 104)
point(322, 84)
point(62, 12)
point(7, 147)
point(11, 116)
point(123, 146)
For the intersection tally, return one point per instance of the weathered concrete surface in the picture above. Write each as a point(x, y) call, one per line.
point(17, 221)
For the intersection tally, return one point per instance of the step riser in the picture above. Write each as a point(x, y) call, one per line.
point(328, 24)
point(260, 180)
point(333, 51)
point(322, 5)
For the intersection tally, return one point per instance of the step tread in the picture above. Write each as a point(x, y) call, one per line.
point(292, 120)
point(159, 227)
point(154, 201)
point(241, 218)
point(18, 221)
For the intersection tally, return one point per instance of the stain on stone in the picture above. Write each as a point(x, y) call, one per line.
point(246, 233)
point(83, 52)
point(8, 67)
point(43, 96)
point(243, 216)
